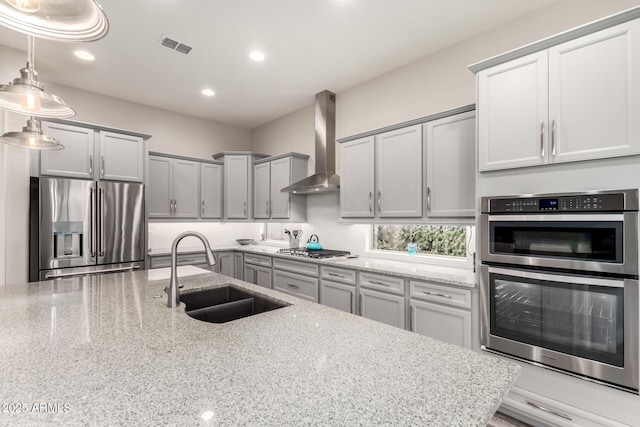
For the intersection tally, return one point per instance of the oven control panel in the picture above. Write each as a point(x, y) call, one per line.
point(569, 203)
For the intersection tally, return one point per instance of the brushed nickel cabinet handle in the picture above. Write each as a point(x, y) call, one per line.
point(203, 208)
point(90, 165)
point(370, 201)
point(550, 411)
point(336, 275)
point(379, 200)
point(102, 167)
point(553, 137)
point(436, 294)
point(244, 208)
point(541, 139)
point(175, 206)
point(379, 283)
point(428, 198)
point(351, 303)
point(293, 286)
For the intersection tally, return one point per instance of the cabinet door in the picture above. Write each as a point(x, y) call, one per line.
point(443, 323)
point(225, 263)
point(451, 171)
point(250, 274)
point(357, 178)
point(279, 207)
point(186, 194)
point(121, 157)
point(159, 187)
point(211, 191)
point(236, 182)
point(594, 95)
point(261, 190)
point(77, 159)
point(512, 113)
point(337, 295)
point(399, 173)
point(263, 277)
point(238, 262)
point(296, 284)
point(382, 307)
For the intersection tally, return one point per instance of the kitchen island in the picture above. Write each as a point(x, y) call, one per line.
point(105, 350)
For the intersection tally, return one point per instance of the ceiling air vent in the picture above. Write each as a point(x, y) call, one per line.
point(175, 45)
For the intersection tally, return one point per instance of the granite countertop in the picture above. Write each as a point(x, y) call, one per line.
point(443, 275)
point(105, 350)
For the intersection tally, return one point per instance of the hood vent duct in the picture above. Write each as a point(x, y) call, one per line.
point(324, 179)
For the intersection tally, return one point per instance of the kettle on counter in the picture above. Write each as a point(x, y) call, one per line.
point(313, 244)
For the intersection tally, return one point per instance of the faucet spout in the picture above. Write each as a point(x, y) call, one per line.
point(173, 292)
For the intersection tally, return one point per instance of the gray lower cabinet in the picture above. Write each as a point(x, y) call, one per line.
point(382, 307)
point(297, 278)
point(172, 188)
point(338, 288)
point(257, 275)
point(226, 263)
point(441, 312)
point(238, 270)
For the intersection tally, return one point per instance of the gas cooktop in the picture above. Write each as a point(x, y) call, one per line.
point(321, 254)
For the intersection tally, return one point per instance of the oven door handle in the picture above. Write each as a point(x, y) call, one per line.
point(586, 217)
point(564, 278)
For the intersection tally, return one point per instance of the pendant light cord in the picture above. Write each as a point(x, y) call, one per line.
point(31, 47)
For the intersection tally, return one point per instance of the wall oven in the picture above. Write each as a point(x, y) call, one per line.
point(559, 282)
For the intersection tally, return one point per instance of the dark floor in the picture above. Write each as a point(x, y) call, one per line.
point(502, 420)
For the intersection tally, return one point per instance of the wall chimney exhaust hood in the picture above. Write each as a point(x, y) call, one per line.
point(324, 180)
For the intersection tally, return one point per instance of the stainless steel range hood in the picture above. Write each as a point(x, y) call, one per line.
point(324, 180)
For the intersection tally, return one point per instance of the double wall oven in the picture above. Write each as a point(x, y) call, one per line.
point(559, 282)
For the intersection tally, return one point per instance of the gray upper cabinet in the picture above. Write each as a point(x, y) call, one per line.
point(357, 178)
point(450, 171)
point(92, 154)
point(77, 159)
point(121, 157)
point(575, 101)
point(270, 176)
point(172, 190)
point(211, 191)
point(381, 175)
point(261, 188)
point(237, 176)
point(399, 173)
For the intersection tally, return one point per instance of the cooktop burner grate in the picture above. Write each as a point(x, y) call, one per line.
point(323, 253)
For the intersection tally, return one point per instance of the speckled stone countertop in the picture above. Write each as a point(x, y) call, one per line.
point(443, 275)
point(105, 350)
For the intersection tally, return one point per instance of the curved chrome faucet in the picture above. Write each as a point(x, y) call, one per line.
point(173, 292)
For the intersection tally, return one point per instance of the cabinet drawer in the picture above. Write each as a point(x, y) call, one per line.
point(441, 294)
point(257, 260)
point(307, 268)
point(296, 285)
point(184, 259)
point(384, 283)
point(338, 274)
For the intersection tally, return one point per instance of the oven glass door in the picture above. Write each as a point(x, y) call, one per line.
point(583, 317)
point(573, 240)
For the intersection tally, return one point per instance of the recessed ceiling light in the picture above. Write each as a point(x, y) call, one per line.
point(83, 54)
point(208, 92)
point(257, 56)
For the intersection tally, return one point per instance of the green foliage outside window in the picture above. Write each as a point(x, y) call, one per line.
point(431, 239)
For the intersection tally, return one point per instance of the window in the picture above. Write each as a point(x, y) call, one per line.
point(442, 240)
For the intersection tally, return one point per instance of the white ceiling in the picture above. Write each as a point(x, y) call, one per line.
point(310, 45)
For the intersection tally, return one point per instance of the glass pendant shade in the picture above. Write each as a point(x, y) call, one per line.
point(58, 20)
point(31, 137)
point(26, 94)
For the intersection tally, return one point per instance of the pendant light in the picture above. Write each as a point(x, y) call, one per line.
point(59, 20)
point(31, 137)
point(26, 94)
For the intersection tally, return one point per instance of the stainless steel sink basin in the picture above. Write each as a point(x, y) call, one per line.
point(220, 305)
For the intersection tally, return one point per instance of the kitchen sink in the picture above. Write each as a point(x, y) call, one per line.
point(220, 305)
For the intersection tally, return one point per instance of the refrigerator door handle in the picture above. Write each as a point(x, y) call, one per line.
point(92, 215)
point(101, 221)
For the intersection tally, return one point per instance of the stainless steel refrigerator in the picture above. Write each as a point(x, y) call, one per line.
point(82, 227)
